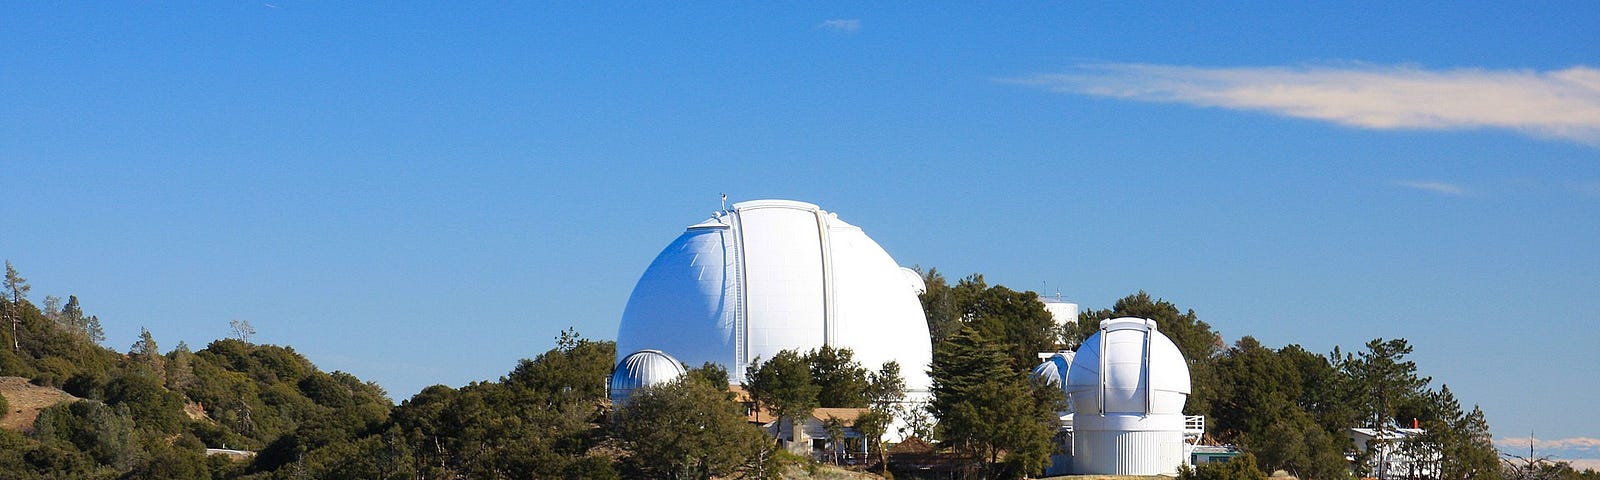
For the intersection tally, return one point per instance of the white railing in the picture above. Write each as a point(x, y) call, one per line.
point(1195, 424)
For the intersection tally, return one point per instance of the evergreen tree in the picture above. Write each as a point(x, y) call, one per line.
point(1383, 381)
point(783, 385)
point(180, 368)
point(840, 380)
point(886, 388)
point(72, 318)
point(18, 288)
point(688, 429)
point(1264, 404)
point(146, 352)
point(1385, 378)
point(1459, 442)
point(988, 410)
point(946, 307)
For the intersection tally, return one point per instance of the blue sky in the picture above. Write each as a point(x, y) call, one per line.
point(425, 193)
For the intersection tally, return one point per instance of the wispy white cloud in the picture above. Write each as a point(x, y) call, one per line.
point(1441, 188)
point(841, 24)
point(1557, 104)
point(1569, 444)
point(1581, 464)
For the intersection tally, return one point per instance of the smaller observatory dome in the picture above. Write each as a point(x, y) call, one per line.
point(642, 369)
point(1054, 369)
point(1128, 367)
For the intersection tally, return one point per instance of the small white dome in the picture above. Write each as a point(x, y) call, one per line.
point(642, 369)
point(1054, 369)
point(1128, 367)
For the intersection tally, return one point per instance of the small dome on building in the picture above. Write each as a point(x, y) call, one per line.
point(642, 369)
point(1054, 369)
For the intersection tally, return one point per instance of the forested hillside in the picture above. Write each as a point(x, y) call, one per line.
point(147, 413)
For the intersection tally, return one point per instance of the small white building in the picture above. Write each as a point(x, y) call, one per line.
point(814, 440)
point(1388, 456)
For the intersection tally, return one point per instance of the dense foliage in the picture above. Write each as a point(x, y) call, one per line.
point(688, 429)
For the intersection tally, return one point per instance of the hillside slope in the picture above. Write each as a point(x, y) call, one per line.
point(26, 400)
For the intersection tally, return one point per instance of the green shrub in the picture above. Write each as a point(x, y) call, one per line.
point(1242, 467)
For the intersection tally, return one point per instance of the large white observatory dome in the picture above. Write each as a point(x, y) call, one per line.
point(770, 275)
point(1127, 386)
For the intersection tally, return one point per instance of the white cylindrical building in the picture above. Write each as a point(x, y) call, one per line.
point(1063, 312)
point(1127, 386)
point(772, 275)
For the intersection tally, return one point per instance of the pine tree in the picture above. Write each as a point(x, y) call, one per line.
point(841, 382)
point(145, 351)
point(783, 385)
point(18, 288)
point(985, 408)
point(71, 318)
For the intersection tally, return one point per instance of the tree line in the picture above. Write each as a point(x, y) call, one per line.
point(149, 413)
point(1289, 408)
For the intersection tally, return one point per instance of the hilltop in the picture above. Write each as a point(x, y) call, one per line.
point(78, 409)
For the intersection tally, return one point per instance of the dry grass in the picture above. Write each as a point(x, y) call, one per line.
point(824, 472)
point(195, 411)
point(1109, 477)
point(26, 401)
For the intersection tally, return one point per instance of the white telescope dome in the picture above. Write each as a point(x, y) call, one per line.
point(1126, 389)
point(1053, 369)
point(642, 369)
point(773, 275)
point(1132, 367)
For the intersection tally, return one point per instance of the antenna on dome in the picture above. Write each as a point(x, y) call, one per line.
point(724, 201)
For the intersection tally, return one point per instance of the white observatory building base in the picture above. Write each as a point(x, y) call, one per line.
point(1127, 444)
point(1126, 386)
